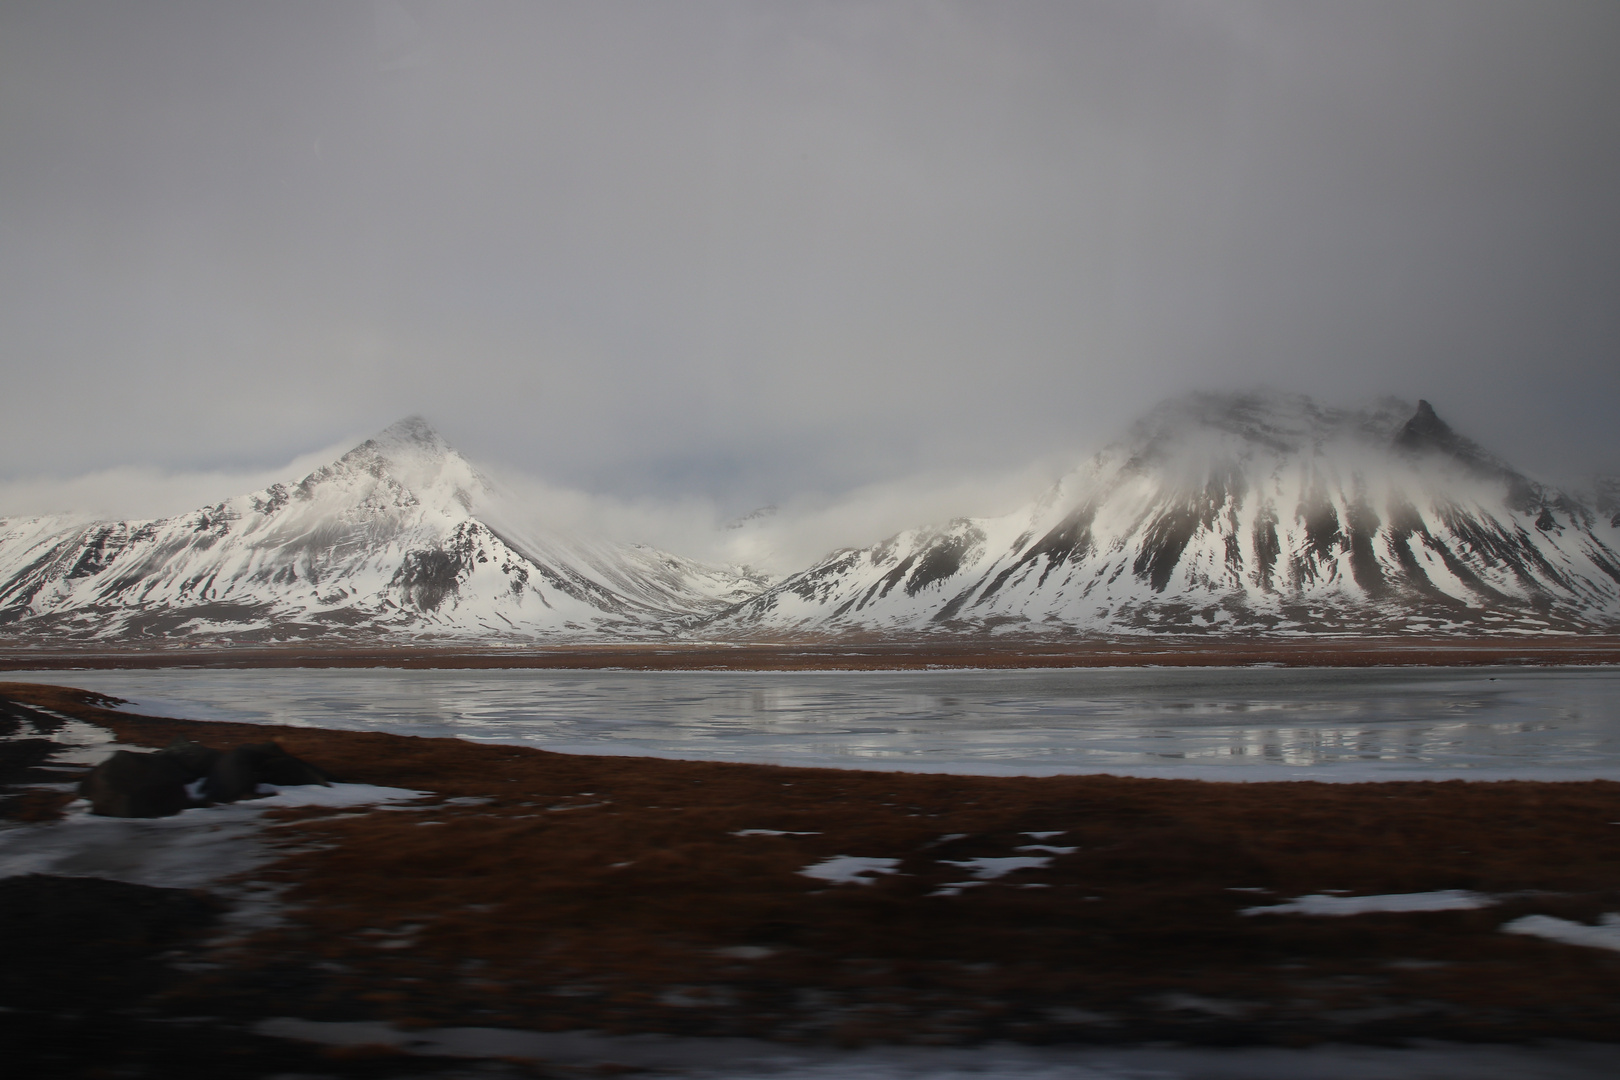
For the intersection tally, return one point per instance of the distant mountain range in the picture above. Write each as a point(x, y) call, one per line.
point(1216, 515)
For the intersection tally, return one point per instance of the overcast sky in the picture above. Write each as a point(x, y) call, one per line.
point(753, 252)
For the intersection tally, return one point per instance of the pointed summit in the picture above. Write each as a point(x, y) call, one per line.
point(413, 433)
point(409, 441)
point(1425, 431)
point(416, 456)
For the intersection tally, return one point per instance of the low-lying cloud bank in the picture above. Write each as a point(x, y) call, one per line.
point(783, 537)
point(136, 492)
point(778, 539)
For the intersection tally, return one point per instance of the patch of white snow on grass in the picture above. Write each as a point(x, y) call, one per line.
point(954, 888)
point(191, 849)
point(338, 795)
point(1606, 935)
point(1443, 900)
point(989, 869)
point(844, 869)
point(79, 743)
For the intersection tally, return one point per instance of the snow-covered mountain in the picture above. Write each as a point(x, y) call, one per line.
point(1234, 514)
point(400, 537)
point(1217, 514)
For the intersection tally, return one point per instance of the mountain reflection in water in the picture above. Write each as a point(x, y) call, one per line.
point(1211, 723)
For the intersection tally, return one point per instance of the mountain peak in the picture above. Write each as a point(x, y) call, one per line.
point(418, 457)
point(1425, 430)
point(405, 444)
point(413, 431)
point(1233, 513)
point(1278, 421)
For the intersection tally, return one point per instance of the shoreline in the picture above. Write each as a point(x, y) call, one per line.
point(1227, 725)
point(537, 891)
point(840, 655)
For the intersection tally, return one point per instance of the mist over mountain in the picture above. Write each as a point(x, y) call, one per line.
point(1216, 514)
point(399, 536)
point(1241, 514)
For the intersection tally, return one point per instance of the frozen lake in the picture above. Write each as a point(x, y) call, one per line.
point(1223, 723)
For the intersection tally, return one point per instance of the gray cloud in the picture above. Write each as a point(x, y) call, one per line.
point(137, 492)
point(751, 252)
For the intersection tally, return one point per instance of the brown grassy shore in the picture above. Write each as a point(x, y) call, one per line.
point(845, 653)
point(560, 892)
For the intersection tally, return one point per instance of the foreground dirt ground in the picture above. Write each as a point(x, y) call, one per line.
point(550, 892)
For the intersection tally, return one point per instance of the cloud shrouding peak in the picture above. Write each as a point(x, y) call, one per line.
point(1190, 433)
point(737, 251)
point(791, 536)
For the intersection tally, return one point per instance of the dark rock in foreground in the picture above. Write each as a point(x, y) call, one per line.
point(238, 773)
point(135, 785)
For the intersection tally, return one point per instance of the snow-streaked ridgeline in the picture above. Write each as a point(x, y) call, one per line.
point(401, 536)
point(1243, 512)
point(1217, 513)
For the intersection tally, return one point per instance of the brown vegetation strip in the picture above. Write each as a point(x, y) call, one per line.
point(614, 893)
point(850, 653)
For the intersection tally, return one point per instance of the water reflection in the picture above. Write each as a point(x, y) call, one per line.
point(1249, 723)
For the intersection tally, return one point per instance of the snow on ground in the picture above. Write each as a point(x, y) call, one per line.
point(954, 888)
point(1443, 900)
point(342, 795)
point(988, 869)
point(742, 1059)
point(1606, 935)
point(844, 869)
point(198, 848)
point(81, 743)
point(192, 849)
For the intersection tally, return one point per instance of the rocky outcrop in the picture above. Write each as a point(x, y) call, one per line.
point(186, 774)
point(238, 773)
point(135, 785)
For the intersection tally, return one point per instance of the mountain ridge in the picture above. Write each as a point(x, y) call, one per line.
point(1238, 513)
point(1223, 514)
point(385, 540)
